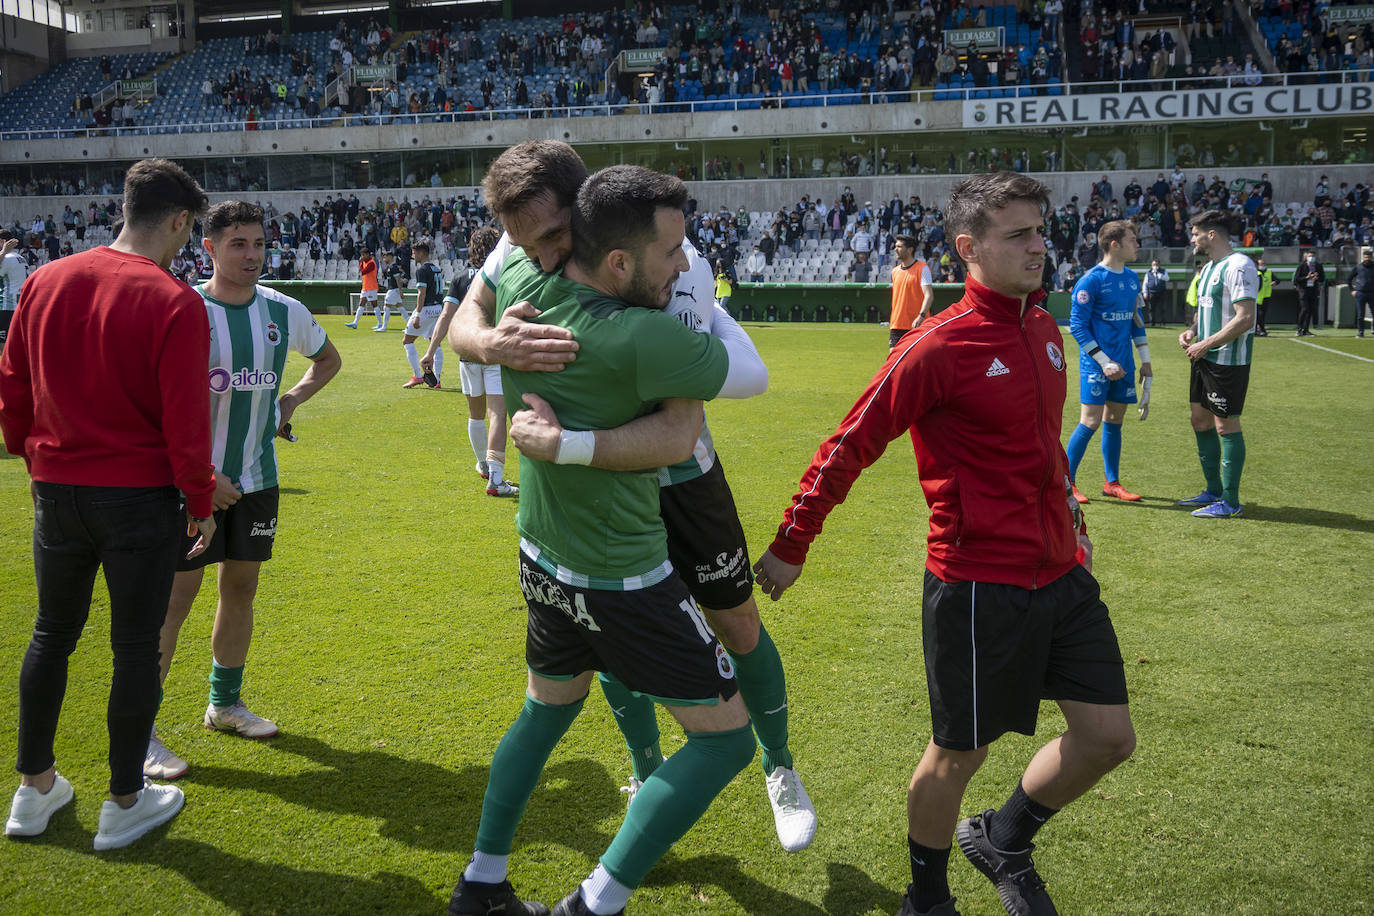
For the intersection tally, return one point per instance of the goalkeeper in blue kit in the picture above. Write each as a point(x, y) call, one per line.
point(1105, 320)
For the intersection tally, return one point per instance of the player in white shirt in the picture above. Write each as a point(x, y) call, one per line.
point(13, 271)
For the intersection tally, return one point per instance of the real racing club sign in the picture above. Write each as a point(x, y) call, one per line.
point(1340, 99)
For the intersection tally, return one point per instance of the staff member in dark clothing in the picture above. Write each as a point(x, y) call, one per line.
point(109, 438)
point(1309, 278)
point(1156, 288)
point(1361, 281)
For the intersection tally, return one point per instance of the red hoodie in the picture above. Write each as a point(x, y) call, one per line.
point(102, 381)
point(981, 389)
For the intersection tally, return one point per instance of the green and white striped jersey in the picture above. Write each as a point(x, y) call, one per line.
point(1221, 284)
point(248, 345)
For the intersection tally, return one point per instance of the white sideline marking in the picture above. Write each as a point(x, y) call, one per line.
point(1363, 359)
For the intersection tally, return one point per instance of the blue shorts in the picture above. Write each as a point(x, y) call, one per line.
point(1096, 388)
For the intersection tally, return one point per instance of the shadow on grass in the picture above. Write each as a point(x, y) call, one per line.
point(293, 491)
point(429, 806)
point(249, 886)
point(850, 891)
point(1286, 515)
point(1305, 515)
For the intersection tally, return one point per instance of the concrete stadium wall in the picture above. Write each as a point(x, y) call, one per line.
point(1291, 183)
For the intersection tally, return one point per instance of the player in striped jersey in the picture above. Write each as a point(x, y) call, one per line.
point(251, 330)
point(1220, 343)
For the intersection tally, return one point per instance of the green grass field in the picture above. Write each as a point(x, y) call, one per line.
point(389, 647)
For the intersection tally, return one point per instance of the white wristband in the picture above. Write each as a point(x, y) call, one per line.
point(575, 447)
point(1104, 360)
point(1143, 353)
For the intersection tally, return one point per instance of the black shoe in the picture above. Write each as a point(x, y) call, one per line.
point(474, 898)
point(943, 909)
point(1013, 873)
point(573, 905)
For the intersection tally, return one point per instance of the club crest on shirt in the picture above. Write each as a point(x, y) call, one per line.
point(273, 333)
point(1083, 296)
point(1055, 354)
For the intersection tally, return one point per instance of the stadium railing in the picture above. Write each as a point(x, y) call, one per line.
point(749, 103)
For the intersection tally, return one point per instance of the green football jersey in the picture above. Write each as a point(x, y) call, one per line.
point(589, 527)
point(1221, 284)
point(248, 345)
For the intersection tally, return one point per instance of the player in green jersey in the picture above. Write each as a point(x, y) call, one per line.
point(1220, 343)
point(531, 187)
point(594, 566)
point(251, 330)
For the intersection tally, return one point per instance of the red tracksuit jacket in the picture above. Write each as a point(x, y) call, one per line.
point(980, 388)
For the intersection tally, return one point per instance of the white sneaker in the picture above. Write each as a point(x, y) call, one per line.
point(793, 813)
point(482, 470)
point(160, 763)
point(504, 488)
point(631, 791)
point(31, 809)
point(239, 720)
point(156, 805)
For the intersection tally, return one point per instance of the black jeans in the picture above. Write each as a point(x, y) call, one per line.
point(1363, 300)
point(1307, 310)
point(135, 534)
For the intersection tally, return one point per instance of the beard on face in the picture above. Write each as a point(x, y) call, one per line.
point(642, 291)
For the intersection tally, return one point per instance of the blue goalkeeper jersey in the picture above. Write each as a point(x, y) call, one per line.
point(1103, 317)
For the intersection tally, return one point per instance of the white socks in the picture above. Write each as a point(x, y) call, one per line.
point(477, 432)
point(439, 362)
point(495, 467)
point(414, 356)
point(486, 868)
point(602, 893)
point(359, 316)
point(385, 316)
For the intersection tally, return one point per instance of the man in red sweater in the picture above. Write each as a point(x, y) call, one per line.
point(109, 438)
point(1010, 616)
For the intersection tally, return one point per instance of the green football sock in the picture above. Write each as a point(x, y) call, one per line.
point(225, 684)
point(672, 800)
point(1209, 453)
point(1232, 463)
point(763, 687)
point(638, 723)
point(515, 770)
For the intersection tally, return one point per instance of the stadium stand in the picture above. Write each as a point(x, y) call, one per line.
point(810, 240)
point(552, 66)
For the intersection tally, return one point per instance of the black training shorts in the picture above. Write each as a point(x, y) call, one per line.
point(244, 531)
point(1221, 389)
point(706, 540)
point(993, 652)
point(654, 640)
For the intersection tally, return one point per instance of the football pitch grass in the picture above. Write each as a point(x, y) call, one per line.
point(389, 648)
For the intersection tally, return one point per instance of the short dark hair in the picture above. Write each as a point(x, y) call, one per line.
point(616, 208)
point(155, 189)
point(1212, 219)
point(907, 240)
point(421, 245)
point(530, 170)
point(231, 213)
point(974, 198)
point(481, 242)
point(1115, 231)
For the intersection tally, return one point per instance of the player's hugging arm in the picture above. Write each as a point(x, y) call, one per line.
point(654, 440)
point(748, 376)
